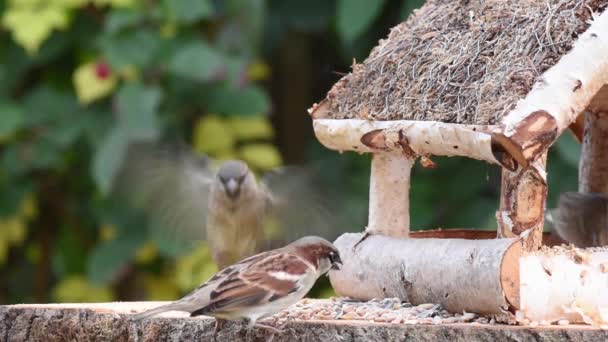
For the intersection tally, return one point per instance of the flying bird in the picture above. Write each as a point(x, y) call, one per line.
point(237, 214)
point(260, 285)
point(581, 218)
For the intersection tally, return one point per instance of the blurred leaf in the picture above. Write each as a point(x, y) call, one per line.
point(569, 149)
point(312, 15)
point(137, 107)
point(161, 288)
point(4, 247)
point(146, 253)
point(249, 101)
point(212, 135)
point(188, 11)
point(410, 5)
point(355, 16)
point(31, 24)
point(247, 128)
point(261, 156)
point(258, 71)
point(137, 48)
point(107, 232)
point(92, 82)
point(108, 158)
point(120, 19)
point(110, 257)
point(45, 105)
point(29, 207)
point(11, 119)
point(115, 3)
point(194, 268)
point(76, 289)
point(14, 230)
point(197, 61)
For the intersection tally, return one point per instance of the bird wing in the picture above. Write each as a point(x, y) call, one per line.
point(171, 184)
point(255, 281)
point(301, 204)
point(582, 218)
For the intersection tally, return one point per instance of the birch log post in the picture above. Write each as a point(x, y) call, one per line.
point(479, 276)
point(560, 95)
point(522, 203)
point(593, 165)
point(389, 192)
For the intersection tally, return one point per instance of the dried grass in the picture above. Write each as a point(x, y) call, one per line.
point(461, 61)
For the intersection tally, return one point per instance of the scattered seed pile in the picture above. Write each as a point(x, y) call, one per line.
point(387, 310)
point(461, 61)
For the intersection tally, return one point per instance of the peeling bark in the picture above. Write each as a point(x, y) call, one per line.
point(522, 204)
point(414, 138)
point(527, 140)
point(479, 276)
point(389, 193)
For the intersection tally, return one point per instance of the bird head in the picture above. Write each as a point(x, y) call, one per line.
point(234, 176)
point(320, 252)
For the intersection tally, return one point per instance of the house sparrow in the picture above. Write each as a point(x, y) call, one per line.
point(228, 207)
point(259, 286)
point(581, 219)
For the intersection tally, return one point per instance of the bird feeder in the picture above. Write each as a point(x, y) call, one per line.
point(496, 81)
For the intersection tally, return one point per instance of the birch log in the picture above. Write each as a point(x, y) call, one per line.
point(522, 203)
point(560, 95)
point(565, 283)
point(593, 166)
point(473, 275)
point(418, 138)
point(389, 191)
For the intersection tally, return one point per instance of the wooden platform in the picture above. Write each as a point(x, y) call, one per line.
point(109, 322)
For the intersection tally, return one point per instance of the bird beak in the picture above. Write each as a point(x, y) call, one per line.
point(232, 188)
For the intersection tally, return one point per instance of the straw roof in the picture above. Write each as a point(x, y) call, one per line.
point(461, 61)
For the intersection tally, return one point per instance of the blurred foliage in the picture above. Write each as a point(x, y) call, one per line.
point(82, 79)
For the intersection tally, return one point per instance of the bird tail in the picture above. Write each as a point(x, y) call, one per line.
point(157, 310)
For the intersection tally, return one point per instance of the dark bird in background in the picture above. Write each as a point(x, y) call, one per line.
point(260, 285)
point(237, 214)
point(581, 219)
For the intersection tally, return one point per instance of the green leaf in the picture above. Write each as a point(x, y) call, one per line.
point(188, 11)
point(196, 61)
point(11, 118)
point(137, 109)
point(355, 16)
point(120, 19)
point(249, 101)
point(133, 48)
point(109, 157)
point(109, 258)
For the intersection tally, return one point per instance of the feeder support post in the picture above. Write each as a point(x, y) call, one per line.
point(389, 190)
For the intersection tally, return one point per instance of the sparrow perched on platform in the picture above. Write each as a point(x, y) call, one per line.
point(260, 285)
point(582, 219)
point(226, 206)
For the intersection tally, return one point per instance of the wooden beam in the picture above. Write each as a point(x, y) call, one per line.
point(420, 138)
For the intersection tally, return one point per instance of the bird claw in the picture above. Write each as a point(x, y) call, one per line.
point(219, 324)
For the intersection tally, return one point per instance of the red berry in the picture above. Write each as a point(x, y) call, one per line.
point(102, 70)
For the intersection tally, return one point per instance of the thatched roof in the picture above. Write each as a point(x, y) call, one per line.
point(461, 61)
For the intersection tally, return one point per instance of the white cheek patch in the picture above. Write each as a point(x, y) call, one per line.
point(280, 275)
